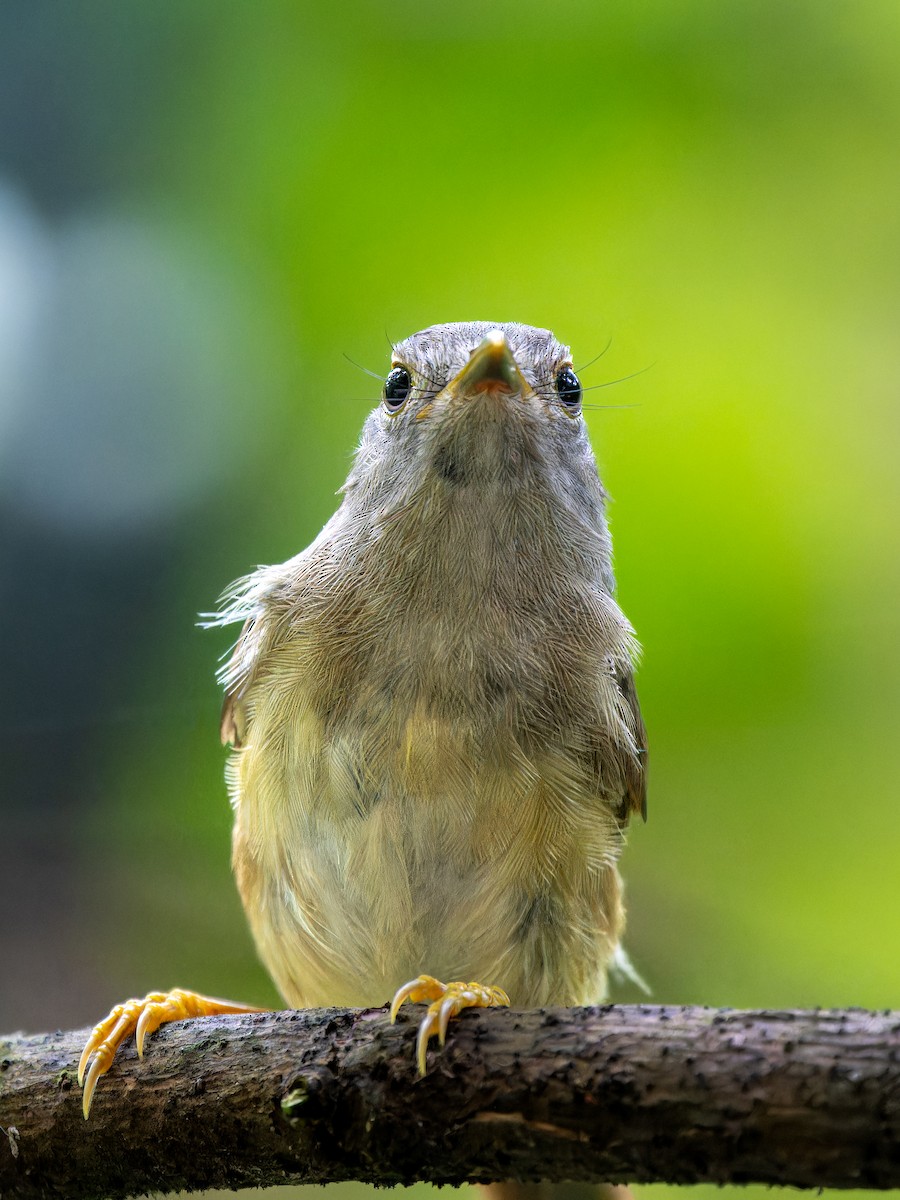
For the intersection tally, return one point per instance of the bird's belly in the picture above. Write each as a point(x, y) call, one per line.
point(349, 912)
point(345, 918)
point(359, 871)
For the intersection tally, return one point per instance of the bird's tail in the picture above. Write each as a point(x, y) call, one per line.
point(621, 968)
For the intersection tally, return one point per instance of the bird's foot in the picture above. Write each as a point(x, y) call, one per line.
point(446, 1001)
point(142, 1017)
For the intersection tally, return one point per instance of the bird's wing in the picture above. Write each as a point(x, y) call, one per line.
point(251, 601)
point(634, 750)
point(233, 725)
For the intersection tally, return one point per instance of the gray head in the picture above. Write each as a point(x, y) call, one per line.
point(479, 405)
point(481, 424)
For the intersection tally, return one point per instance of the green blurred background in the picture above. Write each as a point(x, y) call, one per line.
point(205, 207)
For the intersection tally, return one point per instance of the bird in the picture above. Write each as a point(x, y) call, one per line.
point(436, 741)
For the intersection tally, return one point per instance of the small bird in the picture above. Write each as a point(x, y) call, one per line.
point(437, 743)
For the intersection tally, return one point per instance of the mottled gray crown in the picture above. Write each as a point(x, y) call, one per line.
point(441, 350)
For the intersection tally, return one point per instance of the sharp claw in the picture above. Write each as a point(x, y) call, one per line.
point(98, 1036)
point(446, 1011)
point(426, 1031)
point(83, 1061)
point(446, 1000)
point(86, 1097)
point(141, 1032)
point(90, 1084)
point(142, 1017)
point(401, 995)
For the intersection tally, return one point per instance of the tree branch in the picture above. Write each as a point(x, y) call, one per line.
point(643, 1093)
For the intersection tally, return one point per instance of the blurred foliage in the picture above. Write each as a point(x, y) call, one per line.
point(704, 195)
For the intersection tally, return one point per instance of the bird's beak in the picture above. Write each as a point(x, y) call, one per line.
point(491, 368)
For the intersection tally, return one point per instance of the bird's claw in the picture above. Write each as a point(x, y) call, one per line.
point(141, 1017)
point(445, 1001)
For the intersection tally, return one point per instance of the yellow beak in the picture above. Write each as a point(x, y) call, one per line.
point(491, 368)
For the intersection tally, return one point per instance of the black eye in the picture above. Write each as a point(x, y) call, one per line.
point(397, 387)
point(569, 390)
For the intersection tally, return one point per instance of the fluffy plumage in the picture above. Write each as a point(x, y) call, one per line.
point(437, 738)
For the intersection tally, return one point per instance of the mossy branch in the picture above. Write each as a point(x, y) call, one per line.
point(631, 1093)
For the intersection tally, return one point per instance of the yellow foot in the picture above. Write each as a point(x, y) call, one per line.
point(142, 1017)
point(447, 999)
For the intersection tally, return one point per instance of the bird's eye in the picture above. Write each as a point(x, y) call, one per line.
point(397, 387)
point(569, 391)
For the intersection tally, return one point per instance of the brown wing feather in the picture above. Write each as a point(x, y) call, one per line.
point(635, 763)
point(233, 725)
point(230, 727)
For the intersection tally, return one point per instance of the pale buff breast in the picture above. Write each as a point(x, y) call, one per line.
point(390, 841)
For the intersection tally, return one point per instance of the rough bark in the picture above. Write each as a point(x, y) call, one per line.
point(684, 1095)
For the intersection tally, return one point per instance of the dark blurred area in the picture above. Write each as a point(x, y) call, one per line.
point(134, 396)
point(205, 208)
